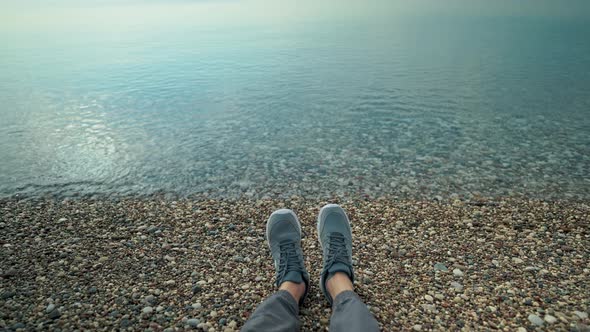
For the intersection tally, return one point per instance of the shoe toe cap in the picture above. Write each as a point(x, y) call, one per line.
point(333, 218)
point(283, 224)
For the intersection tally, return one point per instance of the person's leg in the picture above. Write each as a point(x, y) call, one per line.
point(279, 312)
point(349, 313)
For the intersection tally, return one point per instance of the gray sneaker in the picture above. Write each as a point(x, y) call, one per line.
point(283, 233)
point(335, 237)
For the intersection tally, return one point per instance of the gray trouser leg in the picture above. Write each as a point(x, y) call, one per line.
point(349, 313)
point(277, 313)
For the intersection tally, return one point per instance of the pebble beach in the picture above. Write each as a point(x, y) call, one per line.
point(145, 143)
point(154, 264)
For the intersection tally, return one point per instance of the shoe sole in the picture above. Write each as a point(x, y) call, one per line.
point(281, 211)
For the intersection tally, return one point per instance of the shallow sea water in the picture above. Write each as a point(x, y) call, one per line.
point(422, 105)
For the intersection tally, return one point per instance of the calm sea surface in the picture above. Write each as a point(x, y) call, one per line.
point(417, 105)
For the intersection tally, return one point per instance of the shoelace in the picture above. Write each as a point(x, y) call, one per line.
point(290, 259)
point(337, 252)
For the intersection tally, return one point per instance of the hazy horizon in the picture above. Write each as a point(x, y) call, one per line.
point(32, 12)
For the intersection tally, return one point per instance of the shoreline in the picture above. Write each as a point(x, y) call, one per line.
point(150, 263)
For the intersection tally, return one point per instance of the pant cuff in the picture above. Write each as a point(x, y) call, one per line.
point(343, 296)
point(285, 295)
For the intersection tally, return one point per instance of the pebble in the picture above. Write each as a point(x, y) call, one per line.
point(7, 295)
point(193, 322)
point(9, 273)
point(581, 315)
point(429, 308)
point(457, 273)
point(428, 298)
point(18, 325)
point(149, 299)
point(440, 267)
point(54, 314)
point(147, 310)
point(535, 320)
point(550, 319)
point(457, 286)
point(50, 308)
point(125, 323)
point(417, 327)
